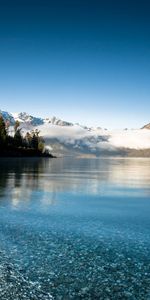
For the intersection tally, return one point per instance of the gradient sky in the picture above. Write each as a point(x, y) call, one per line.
point(83, 61)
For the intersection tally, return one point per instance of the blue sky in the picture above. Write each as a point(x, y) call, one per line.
point(83, 61)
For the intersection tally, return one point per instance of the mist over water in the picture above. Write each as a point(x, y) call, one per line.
point(75, 228)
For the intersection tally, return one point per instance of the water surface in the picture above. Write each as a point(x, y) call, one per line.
point(74, 229)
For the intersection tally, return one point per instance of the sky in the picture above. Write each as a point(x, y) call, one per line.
point(84, 61)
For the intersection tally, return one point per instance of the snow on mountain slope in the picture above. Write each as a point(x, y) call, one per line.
point(56, 121)
point(65, 137)
point(7, 116)
point(28, 119)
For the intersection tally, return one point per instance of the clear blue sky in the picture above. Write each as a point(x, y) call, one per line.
point(83, 61)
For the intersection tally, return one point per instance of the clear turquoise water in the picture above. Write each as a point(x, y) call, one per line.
point(74, 229)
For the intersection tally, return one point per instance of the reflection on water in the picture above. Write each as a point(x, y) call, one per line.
point(74, 228)
point(20, 179)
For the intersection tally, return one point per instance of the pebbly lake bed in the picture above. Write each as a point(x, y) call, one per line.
point(75, 228)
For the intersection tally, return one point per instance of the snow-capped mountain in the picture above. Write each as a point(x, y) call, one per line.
point(25, 118)
point(56, 121)
point(7, 117)
point(28, 119)
point(65, 138)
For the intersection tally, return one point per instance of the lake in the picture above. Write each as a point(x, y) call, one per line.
point(75, 229)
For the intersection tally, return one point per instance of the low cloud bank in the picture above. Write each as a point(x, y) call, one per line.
point(97, 139)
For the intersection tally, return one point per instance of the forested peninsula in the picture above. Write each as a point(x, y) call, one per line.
point(14, 144)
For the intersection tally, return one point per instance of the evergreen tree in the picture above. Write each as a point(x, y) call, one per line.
point(18, 141)
point(17, 145)
point(3, 132)
point(17, 124)
point(41, 146)
point(28, 139)
point(34, 141)
point(7, 125)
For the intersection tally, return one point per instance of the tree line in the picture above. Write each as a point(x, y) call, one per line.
point(32, 144)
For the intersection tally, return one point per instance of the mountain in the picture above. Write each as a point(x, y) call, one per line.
point(147, 126)
point(28, 119)
point(7, 117)
point(56, 121)
point(65, 138)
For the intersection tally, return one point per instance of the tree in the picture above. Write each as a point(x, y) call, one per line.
point(17, 144)
point(3, 132)
point(35, 138)
point(18, 141)
point(34, 141)
point(7, 125)
point(17, 124)
point(28, 139)
point(41, 146)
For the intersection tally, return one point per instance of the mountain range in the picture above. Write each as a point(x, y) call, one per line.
point(64, 138)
